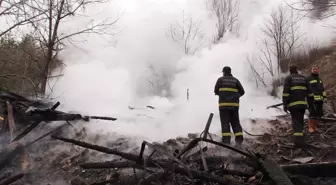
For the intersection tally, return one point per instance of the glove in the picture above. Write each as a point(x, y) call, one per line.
point(285, 108)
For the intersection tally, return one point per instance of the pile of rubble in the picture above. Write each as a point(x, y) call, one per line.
point(268, 158)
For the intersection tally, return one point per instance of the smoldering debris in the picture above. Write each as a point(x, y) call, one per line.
point(266, 158)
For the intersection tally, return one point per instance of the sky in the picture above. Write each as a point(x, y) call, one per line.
point(105, 75)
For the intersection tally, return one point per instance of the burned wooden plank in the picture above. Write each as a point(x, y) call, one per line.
point(12, 179)
point(194, 143)
point(10, 117)
point(168, 166)
point(32, 126)
point(207, 126)
point(273, 170)
point(325, 169)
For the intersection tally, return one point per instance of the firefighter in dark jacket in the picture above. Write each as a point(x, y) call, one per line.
point(316, 111)
point(229, 90)
point(296, 98)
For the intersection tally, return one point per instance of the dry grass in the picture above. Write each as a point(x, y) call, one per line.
point(305, 59)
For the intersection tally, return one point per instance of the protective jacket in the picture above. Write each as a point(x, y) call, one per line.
point(296, 92)
point(229, 90)
point(317, 88)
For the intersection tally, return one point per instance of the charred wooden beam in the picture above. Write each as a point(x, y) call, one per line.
point(11, 122)
point(207, 126)
point(194, 143)
point(110, 164)
point(32, 126)
point(11, 179)
point(5, 175)
point(273, 170)
point(326, 169)
point(168, 166)
point(124, 155)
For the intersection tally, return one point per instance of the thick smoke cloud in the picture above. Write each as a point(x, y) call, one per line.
point(107, 75)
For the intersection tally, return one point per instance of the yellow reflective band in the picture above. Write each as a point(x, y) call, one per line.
point(1, 118)
point(285, 94)
point(226, 134)
point(298, 88)
point(324, 94)
point(313, 81)
point(228, 104)
point(317, 97)
point(298, 134)
point(239, 134)
point(228, 89)
point(297, 103)
point(311, 94)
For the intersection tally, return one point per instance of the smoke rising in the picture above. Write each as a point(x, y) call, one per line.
point(142, 65)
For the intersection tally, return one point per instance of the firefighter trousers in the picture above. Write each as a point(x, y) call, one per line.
point(317, 111)
point(298, 125)
point(230, 118)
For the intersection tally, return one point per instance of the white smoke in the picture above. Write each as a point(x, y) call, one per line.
point(112, 73)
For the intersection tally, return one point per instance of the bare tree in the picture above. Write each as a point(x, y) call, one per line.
point(48, 32)
point(282, 38)
point(227, 14)
point(160, 82)
point(16, 13)
point(188, 34)
point(259, 75)
point(318, 9)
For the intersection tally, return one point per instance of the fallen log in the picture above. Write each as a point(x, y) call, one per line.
point(326, 169)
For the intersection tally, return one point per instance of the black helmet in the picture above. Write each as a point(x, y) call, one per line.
point(293, 69)
point(226, 69)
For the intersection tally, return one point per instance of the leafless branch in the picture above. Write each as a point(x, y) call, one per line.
point(315, 9)
point(227, 14)
point(188, 34)
point(47, 29)
point(282, 38)
point(258, 76)
point(22, 77)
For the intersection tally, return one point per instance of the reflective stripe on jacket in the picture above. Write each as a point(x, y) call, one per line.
point(296, 91)
point(316, 85)
point(229, 90)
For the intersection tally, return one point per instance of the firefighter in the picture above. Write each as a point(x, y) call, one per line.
point(229, 90)
point(316, 111)
point(296, 98)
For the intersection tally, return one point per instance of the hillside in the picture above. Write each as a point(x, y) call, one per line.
point(327, 63)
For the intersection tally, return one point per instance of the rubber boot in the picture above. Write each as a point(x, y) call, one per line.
point(226, 140)
point(311, 126)
point(239, 140)
point(315, 125)
point(299, 141)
